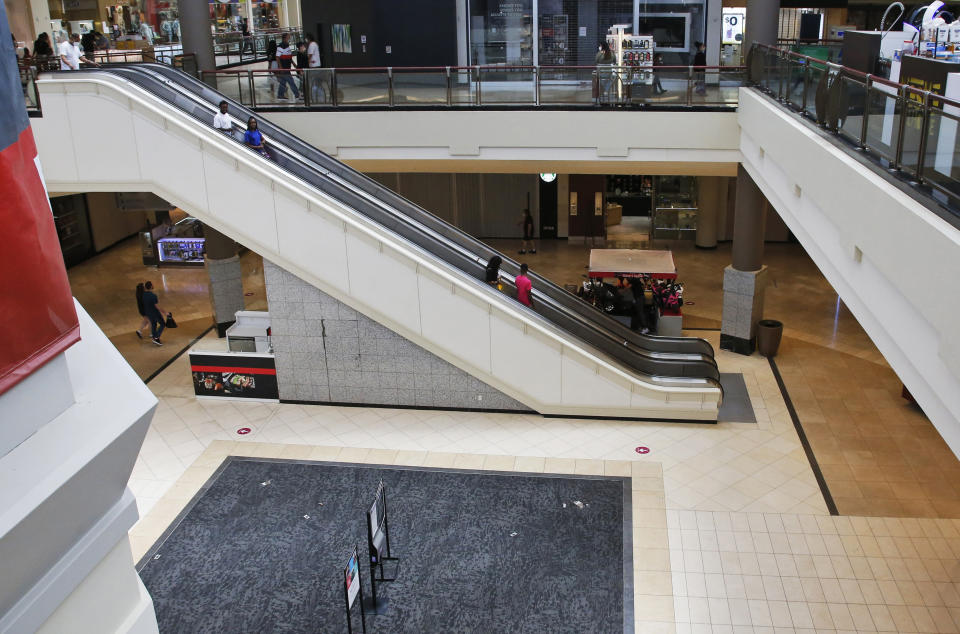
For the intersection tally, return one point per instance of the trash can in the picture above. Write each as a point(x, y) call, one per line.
point(769, 332)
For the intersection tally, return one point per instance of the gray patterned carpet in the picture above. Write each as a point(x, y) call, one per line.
point(262, 549)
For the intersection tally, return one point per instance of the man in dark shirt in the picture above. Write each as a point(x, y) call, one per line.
point(154, 313)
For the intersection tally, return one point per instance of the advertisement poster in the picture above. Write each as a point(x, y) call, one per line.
point(733, 26)
point(234, 376)
point(352, 578)
point(341, 38)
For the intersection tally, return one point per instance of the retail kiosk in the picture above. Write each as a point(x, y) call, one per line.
point(240, 367)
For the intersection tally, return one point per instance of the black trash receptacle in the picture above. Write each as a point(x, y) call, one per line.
point(769, 332)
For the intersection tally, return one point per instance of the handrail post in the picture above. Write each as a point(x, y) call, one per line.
point(305, 84)
point(479, 97)
point(333, 87)
point(924, 129)
point(806, 89)
point(866, 111)
point(903, 98)
point(449, 89)
point(536, 81)
point(253, 89)
point(689, 85)
point(390, 86)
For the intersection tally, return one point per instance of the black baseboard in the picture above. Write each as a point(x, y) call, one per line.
point(738, 345)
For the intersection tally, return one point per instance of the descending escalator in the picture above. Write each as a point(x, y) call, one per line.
point(660, 357)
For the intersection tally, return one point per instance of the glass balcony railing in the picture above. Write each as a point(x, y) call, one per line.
point(492, 86)
point(910, 132)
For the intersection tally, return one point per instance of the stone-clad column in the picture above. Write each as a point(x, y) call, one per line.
point(226, 278)
point(195, 33)
point(744, 282)
point(762, 23)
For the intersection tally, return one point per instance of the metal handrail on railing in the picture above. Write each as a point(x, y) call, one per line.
point(902, 137)
point(449, 86)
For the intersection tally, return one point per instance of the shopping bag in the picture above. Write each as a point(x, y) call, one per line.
point(170, 323)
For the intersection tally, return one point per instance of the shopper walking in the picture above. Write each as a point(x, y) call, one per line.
point(699, 61)
point(604, 60)
point(144, 320)
point(527, 242)
point(153, 312)
point(70, 53)
point(657, 86)
point(285, 62)
point(254, 138)
point(524, 287)
point(313, 77)
point(272, 66)
point(222, 120)
point(491, 274)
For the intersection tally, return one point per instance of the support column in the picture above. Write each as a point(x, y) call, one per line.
point(226, 278)
point(744, 282)
point(195, 32)
point(763, 23)
point(712, 194)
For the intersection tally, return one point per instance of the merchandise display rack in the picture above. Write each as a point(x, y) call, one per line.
point(634, 56)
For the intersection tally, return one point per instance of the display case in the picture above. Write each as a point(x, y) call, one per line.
point(675, 209)
point(634, 56)
point(181, 251)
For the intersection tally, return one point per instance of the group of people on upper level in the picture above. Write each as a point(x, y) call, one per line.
point(284, 57)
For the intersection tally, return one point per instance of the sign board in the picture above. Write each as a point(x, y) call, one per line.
point(377, 515)
point(225, 375)
point(351, 575)
point(733, 22)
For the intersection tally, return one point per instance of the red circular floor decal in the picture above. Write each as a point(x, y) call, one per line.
point(243, 431)
point(643, 449)
point(248, 294)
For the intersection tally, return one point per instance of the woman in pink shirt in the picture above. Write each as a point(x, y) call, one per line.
point(524, 287)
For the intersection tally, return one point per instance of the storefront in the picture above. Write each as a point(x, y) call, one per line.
point(659, 207)
point(568, 32)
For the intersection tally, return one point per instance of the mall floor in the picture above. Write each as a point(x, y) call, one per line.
point(732, 531)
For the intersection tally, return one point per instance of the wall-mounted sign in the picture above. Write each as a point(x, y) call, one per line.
point(733, 22)
point(548, 178)
point(573, 203)
point(598, 204)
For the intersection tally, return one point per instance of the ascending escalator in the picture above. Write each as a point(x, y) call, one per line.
point(662, 357)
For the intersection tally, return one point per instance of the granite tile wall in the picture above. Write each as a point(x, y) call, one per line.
point(328, 352)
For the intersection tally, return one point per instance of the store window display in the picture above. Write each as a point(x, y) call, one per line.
point(501, 32)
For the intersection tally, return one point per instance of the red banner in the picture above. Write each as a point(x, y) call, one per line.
point(37, 316)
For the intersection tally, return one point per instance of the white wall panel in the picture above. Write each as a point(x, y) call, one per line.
point(242, 199)
point(456, 321)
point(603, 386)
point(308, 235)
point(525, 358)
point(117, 138)
point(380, 279)
point(53, 131)
point(158, 147)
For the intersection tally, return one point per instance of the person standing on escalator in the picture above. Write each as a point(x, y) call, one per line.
point(524, 287)
point(253, 138)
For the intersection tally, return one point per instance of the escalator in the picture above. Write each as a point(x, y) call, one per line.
point(661, 360)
